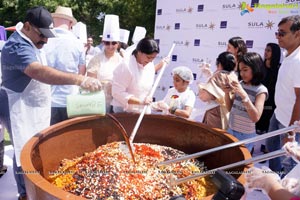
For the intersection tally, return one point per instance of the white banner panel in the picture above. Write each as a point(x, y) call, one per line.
point(202, 28)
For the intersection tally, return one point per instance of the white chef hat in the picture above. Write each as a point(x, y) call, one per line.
point(139, 33)
point(184, 72)
point(111, 28)
point(124, 35)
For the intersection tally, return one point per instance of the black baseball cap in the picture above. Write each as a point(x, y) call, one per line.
point(41, 18)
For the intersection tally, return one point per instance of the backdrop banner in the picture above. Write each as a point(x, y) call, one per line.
point(201, 30)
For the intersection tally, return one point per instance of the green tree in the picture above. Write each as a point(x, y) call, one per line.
point(131, 12)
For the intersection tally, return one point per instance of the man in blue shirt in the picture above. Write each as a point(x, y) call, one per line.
point(65, 52)
point(25, 89)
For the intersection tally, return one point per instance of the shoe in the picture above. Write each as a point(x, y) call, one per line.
point(3, 170)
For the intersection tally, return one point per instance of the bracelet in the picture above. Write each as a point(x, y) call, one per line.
point(173, 110)
point(290, 135)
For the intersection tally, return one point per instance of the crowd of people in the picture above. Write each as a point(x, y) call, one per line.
point(247, 95)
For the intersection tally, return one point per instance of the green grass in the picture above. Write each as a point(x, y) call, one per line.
point(6, 138)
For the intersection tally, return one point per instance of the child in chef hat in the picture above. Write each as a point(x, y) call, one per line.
point(179, 99)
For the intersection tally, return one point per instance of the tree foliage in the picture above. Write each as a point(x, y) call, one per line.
point(131, 12)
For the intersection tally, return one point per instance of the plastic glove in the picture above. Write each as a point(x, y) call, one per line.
point(91, 84)
point(263, 179)
point(162, 105)
point(292, 185)
point(292, 149)
point(147, 101)
point(166, 60)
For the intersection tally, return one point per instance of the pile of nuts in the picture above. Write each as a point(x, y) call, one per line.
point(108, 173)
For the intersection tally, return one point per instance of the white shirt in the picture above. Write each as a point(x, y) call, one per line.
point(65, 53)
point(132, 79)
point(91, 53)
point(103, 66)
point(180, 99)
point(288, 79)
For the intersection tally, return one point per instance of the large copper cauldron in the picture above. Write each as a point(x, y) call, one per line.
point(71, 138)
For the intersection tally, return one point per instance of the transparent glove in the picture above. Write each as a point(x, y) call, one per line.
point(162, 105)
point(292, 185)
point(263, 179)
point(166, 60)
point(292, 149)
point(147, 101)
point(91, 84)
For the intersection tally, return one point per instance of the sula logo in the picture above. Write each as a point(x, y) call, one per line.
point(200, 8)
point(159, 11)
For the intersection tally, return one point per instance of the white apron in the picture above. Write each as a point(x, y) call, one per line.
point(144, 78)
point(29, 110)
point(105, 75)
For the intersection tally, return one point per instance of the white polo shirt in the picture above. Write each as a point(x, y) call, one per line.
point(288, 80)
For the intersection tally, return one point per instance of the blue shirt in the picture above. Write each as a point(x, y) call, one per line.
point(65, 53)
point(17, 54)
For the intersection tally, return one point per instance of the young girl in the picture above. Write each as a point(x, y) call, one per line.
point(247, 102)
point(180, 99)
point(216, 114)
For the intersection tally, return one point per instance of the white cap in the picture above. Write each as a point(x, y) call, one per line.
point(79, 30)
point(111, 29)
point(139, 33)
point(184, 72)
point(124, 35)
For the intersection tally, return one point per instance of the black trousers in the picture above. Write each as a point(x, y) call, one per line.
point(58, 114)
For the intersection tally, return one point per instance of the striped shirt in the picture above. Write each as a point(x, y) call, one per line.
point(239, 119)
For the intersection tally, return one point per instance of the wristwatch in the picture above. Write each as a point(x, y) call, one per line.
point(246, 99)
point(172, 110)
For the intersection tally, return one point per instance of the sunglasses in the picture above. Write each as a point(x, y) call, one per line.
point(280, 34)
point(107, 43)
point(41, 35)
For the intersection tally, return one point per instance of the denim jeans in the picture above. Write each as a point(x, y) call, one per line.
point(58, 114)
point(243, 136)
point(275, 143)
point(19, 177)
point(5, 119)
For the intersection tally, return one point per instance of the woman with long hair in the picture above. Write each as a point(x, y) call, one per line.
point(271, 66)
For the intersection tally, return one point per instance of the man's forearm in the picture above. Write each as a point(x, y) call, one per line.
point(52, 76)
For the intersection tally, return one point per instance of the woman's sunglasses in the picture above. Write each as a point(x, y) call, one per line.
point(107, 43)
